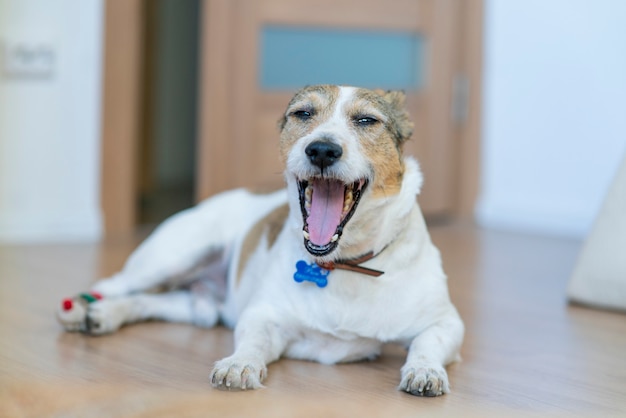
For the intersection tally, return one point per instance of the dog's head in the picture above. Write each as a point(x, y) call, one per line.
point(341, 145)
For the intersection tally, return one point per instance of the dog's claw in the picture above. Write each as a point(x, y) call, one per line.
point(424, 381)
point(232, 375)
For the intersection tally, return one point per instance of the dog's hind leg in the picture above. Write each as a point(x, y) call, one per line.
point(180, 246)
point(178, 251)
point(108, 315)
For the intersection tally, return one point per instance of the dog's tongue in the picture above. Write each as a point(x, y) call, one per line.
point(326, 208)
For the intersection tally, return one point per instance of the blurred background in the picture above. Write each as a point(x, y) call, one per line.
point(117, 113)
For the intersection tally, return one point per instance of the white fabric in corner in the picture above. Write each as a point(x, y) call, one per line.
point(599, 277)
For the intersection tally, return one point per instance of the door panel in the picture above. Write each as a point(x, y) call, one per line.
point(244, 96)
point(291, 57)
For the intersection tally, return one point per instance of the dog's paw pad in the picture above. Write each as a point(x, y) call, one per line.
point(424, 381)
point(237, 375)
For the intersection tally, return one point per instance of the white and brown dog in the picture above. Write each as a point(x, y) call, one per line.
point(327, 270)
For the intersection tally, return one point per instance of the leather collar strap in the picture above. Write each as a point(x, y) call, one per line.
point(353, 265)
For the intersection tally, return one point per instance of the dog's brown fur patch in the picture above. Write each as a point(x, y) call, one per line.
point(400, 123)
point(269, 226)
point(319, 100)
point(382, 143)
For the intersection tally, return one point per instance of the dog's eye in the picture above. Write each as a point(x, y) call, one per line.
point(302, 114)
point(365, 121)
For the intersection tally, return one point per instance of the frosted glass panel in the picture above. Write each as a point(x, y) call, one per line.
point(294, 57)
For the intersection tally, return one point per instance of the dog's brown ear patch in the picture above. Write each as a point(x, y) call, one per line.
point(401, 125)
point(396, 98)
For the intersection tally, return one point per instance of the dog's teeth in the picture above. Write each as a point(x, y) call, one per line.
point(346, 206)
point(334, 238)
point(347, 202)
point(308, 194)
point(305, 234)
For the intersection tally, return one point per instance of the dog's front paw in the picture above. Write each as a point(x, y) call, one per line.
point(424, 380)
point(238, 374)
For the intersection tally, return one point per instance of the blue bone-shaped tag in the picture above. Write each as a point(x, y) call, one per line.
point(310, 273)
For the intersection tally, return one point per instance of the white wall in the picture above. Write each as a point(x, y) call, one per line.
point(50, 125)
point(554, 123)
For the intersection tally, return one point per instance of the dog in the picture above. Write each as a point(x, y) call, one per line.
point(328, 269)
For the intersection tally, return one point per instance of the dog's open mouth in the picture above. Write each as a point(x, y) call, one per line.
point(327, 205)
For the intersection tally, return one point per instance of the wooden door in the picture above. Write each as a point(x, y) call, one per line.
point(238, 127)
point(238, 137)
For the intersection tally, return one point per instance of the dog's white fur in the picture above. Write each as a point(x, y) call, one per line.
point(274, 316)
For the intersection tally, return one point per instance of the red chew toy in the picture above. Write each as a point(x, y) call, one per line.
point(67, 304)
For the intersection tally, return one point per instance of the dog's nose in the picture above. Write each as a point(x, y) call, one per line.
point(323, 154)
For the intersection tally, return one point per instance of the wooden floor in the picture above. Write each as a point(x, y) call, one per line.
point(526, 353)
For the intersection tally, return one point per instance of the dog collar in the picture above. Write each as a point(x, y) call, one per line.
point(353, 265)
point(318, 272)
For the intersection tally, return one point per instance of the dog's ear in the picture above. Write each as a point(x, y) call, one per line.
point(395, 98)
point(402, 126)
